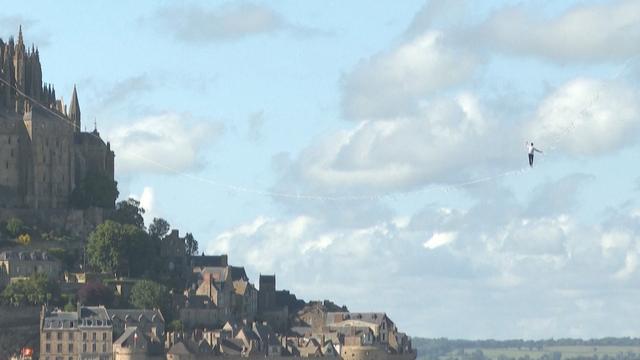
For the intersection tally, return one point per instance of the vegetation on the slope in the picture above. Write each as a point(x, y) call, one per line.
point(147, 294)
point(36, 290)
point(118, 249)
point(95, 190)
point(96, 293)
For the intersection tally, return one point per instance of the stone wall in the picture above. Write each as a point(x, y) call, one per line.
point(18, 329)
point(73, 221)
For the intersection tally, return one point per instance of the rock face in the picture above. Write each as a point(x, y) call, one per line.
point(44, 154)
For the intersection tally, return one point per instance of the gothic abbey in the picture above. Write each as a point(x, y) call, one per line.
point(44, 155)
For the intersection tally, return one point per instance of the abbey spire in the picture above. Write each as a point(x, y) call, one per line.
point(74, 110)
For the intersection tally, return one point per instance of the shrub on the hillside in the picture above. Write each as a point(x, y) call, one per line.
point(176, 325)
point(95, 191)
point(36, 290)
point(24, 239)
point(14, 226)
point(147, 294)
point(95, 293)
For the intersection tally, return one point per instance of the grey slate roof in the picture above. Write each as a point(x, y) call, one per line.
point(90, 316)
point(338, 317)
point(212, 261)
point(135, 314)
point(26, 255)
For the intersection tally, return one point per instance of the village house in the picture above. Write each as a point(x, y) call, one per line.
point(22, 264)
point(78, 335)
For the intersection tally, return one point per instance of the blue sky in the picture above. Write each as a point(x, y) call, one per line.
point(374, 113)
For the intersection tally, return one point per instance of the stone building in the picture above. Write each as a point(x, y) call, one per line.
point(44, 155)
point(17, 264)
point(219, 293)
point(82, 334)
point(270, 309)
point(148, 322)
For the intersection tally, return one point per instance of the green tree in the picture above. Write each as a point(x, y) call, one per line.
point(129, 212)
point(147, 294)
point(36, 290)
point(159, 228)
point(95, 190)
point(70, 307)
point(118, 248)
point(191, 245)
point(14, 226)
point(176, 325)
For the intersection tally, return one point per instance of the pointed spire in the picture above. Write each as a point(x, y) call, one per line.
point(20, 40)
point(74, 110)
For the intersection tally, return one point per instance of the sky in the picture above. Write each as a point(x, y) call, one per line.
point(373, 153)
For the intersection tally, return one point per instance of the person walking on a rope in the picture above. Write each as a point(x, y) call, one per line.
point(531, 150)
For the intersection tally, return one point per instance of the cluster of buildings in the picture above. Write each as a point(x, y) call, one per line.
point(22, 264)
point(129, 334)
point(221, 314)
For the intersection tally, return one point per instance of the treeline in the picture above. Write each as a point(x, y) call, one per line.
point(443, 348)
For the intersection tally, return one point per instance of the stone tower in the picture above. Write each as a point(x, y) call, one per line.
point(74, 111)
point(44, 155)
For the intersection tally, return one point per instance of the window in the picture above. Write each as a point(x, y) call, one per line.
point(47, 348)
point(70, 348)
point(84, 336)
point(70, 336)
point(84, 347)
point(93, 348)
point(59, 348)
point(104, 336)
point(48, 335)
point(104, 348)
point(59, 336)
point(94, 336)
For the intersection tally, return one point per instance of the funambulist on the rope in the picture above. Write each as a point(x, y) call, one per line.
point(531, 149)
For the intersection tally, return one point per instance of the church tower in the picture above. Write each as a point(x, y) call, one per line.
point(74, 110)
point(20, 71)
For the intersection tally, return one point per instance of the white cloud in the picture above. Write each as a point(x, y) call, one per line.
point(408, 152)
point(147, 202)
point(596, 32)
point(393, 83)
point(167, 143)
point(588, 117)
point(440, 239)
point(495, 254)
point(230, 21)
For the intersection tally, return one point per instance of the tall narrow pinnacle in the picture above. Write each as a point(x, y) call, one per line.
point(74, 110)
